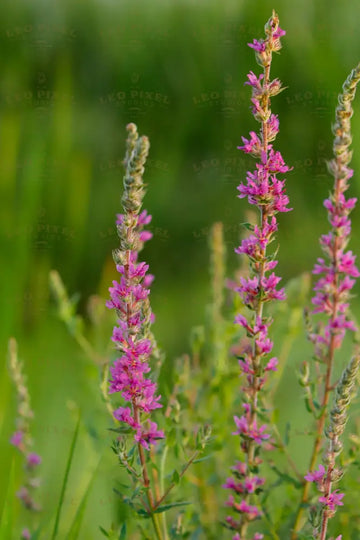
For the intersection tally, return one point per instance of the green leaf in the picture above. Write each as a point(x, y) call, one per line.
point(322, 410)
point(166, 507)
point(137, 491)
point(66, 478)
point(275, 416)
point(131, 452)
point(307, 405)
point(286, 477)
point(287, 433)
point(73, 533)
point(143, 513)
point(123, 532)
point(248, 226)
point(145, 533)
point(114, 534)
point(316, 404)
point(105, 533)
point(121, 430)
point(205, 458)
point(6, 523)
point(171, 437)
point(175, 477)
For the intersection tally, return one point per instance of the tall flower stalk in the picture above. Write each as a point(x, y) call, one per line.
point(337, 269)
point(265, 191)
point(130, 298)
point(326, 477)
point(21, 438)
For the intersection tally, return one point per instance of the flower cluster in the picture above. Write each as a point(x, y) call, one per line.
point(243, 484)
point(325, 477)
point(266, 191)
point(21, 438)
point(331, 500)
point(129, 296)
point(338, 269)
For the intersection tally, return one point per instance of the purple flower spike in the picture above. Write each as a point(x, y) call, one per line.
point(130, 297)
point(266, 191)
point(337, 272)
point(21, 438)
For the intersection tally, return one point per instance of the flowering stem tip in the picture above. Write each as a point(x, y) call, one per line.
point(266, 191)
point(130, 298)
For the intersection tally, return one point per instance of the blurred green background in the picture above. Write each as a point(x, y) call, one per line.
point(72, 75)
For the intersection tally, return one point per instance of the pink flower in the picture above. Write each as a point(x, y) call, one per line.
point(33, 459)
point(250, 431)
point(272, 364)
point(240, 468)
point(273, 127)
point(149, 436)
point(316, 476)
point(251, 484)
point(235, 486)
point(332, 500)
point(17, 439)
point(259, 46)
point(246, 365)
point(252, 145)
point(264, 345)
point(144, 218)
point(279, 33)
point(269, 287)
point(124, 414)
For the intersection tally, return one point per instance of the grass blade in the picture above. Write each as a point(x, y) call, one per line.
point(73, 533)
point(65, 481)
point(6, 522)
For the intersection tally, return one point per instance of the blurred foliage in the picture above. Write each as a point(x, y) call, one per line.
point(73, 74)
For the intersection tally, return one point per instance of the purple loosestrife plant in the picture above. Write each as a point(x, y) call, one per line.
point(266, 191)
point(129, 296)
point(332, 293)
point(132, 334)
point(21, 438)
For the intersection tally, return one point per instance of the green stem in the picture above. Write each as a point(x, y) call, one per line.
point(172, 485)
point(162, 476)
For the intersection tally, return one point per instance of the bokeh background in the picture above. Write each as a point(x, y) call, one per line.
point(72, 75)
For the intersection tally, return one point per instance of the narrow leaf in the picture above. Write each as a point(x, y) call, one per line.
point(166, 507)
point(66, 478)
point(6, 522)
point(73, 533)
point(105, 533)
point(123, 532)
point(175, 477)
point(286, 477)
point(287, 434)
